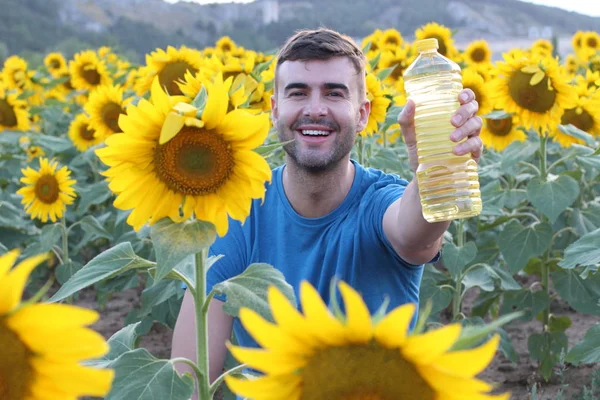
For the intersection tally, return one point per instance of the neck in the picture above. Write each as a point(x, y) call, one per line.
point(314, 195)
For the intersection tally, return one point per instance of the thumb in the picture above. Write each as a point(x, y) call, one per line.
point(406, 119)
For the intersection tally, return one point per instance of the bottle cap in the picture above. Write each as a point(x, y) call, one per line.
point(427, 44)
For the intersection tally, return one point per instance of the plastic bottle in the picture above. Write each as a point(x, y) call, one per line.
point(448, 184)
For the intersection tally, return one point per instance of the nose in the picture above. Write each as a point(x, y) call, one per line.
point(315, 108)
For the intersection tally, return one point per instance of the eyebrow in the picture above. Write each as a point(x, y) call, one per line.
point(328, 85)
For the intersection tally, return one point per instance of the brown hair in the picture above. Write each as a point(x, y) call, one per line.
point(322, 44)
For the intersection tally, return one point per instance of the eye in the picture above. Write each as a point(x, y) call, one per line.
point(335, 94)
point(296, 94)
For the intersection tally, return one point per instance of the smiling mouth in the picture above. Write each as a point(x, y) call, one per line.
point(314, 132)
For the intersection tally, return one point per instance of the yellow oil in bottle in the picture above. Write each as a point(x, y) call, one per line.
point(448, 184)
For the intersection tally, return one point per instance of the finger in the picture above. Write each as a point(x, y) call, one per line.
point(469, 129)
point(465, 112)
point(406, 119)
point(473, 145)
point(466, 95)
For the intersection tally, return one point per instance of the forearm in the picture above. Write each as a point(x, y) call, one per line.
point(421, 235)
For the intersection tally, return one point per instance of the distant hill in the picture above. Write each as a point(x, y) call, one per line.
point(136, 27)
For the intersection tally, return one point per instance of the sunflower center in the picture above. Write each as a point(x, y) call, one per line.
point(443, 50)
point(90, 75)
point(592, 42)
point(55, 64)
point(7, 114)
point(195, 162)
point(15, 371)
point(478, 55)
point(46, 189)
point(392, 40)
point(533, 98)
point(225, 47)
point(85, 133)
point(173, 72)
point(110, 116)
point(398, 69)
point(362, 371)
point(583, 121)
point(499, 127)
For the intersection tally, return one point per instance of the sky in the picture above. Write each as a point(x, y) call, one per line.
point(587, 7)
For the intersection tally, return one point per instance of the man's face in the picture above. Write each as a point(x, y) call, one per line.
point(318, 104)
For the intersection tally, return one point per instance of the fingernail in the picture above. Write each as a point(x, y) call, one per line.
point(464, 97)
point(460, 148)
point(456, 119)
point(410, 106)
point(454, 136)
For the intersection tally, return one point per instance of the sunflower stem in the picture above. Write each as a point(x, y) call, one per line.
point(457, 295)
point(65, 240)
point(215, 385)
point(545, 284)
point(543, 158)
point(201, 324)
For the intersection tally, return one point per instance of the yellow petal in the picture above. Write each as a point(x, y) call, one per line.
point(468, 363)
point(318, 318)
point(462, 387)
point(530, 69)
point(267, 361)
point(13, 283)
point(267, 388)
point(358, 318)
point(173, 124)
point(7, 261)
point(245, 130)
point(74, 378)
point(392, 330)
point(422, 349)
point(537, 78)
point(185, 108)
point(35, 317)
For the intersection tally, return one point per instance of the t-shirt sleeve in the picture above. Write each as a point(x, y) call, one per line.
point(232, 247)
point(381, 195)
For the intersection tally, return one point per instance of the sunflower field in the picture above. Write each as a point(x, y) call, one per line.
point(115, 176)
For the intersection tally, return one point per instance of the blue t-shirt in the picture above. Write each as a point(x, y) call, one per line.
point(348, 243)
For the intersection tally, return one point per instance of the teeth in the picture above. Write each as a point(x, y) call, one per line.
point(315, 133)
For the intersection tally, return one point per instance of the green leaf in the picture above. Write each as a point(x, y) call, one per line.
point(139, 375)
point(375, 61)
point(517, 151)
point(588, 350)
point(96, 193)
point(471, 335)
point(391, 117)
point(386, 159)
point(584, 251)
point(547, 347)
point(120, 343)
point(518, 244)
point(577, 133)
point(106, 265)
point(431, 291)
point(553, 196)
point(10, 216)
point(187, 269)
point(485, 277)
point(54, 144)
point(65, 271)
point(249, 289)
point(260, 68)
point(456, 258)
point(384, 73)
point(367, 47)
point(91, 225)
point(173, 242)
point(200, 100)
point(492, 197)
point(49, 236)
point(524, 300)
point(581, 294)
point(497, 114)
point(585, 220)
point(507, 347)
point(157, 294)
point(589, 162)
point(266, 150)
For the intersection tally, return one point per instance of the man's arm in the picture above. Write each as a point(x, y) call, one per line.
point(415, 240)
point(184, 336)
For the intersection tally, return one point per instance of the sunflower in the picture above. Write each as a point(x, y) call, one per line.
point(443, 36)
point(400, 58)
point(498, 133)
point(374, 39)
point(166, 158)
point(577, 41)
point(478, 52)
point(391, 39)
point(591, 80)
point(82, 134)
point(584, 116)
point(56, 64)
point(225, 45)
point(105, 106)
point(542, 47)
point(14, 113)
point(534, 88)
point(471, 79)
point(42, 345)
point(48, 191)
point(87, 71)
point(170, 66)
point(591, 41)
point(34, 152)
point(16, 75)
point(376, 94)
point(316, 356)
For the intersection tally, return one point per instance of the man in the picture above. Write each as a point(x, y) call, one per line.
point(324, 215)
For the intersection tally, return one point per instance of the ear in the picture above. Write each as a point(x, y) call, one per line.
point(274, 110)
point(363, 115)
